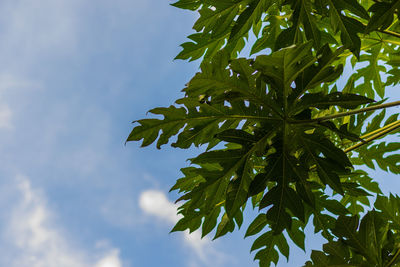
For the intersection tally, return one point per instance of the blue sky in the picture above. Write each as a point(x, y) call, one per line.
point(73, 77)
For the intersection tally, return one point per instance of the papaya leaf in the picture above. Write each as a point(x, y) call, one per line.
point(249, 17)
point(383, 15)
point(349, 27)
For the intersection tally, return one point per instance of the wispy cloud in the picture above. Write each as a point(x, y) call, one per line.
point(110, 260)
point(155, 203)
point(36, 240)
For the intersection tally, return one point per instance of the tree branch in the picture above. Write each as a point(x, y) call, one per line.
point(374, 137)
point(381, 132)
point(347, 113)
point(394, 258)
point(380, 129)
point(388, 32)
point(395, 34)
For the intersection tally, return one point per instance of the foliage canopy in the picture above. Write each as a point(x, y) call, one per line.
point(281, 134)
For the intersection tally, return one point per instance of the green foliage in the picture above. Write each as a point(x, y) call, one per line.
point(370, 242)
point(279, 133)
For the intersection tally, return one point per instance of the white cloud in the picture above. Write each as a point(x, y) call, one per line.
point(156, 203)
point(110, 260)
point(35, 240)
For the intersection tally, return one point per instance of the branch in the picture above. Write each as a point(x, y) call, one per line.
point(395, 34)
point(381, 41)
point(347, 113)
point(380, 129)
point(388, 32)
point(381, 133)
point(394, 258)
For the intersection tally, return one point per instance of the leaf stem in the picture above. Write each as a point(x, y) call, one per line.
point(381, 132)
point(388, 32)
point(374, 137)
point(394, 258)
point(380, 129)
point(374, 132)
point(384, 40)
point(347, 113)
point(395, 34)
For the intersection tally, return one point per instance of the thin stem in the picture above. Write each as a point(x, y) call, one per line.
point(384, 41)
point(395, 34)
point(380, 129)
point(388, 32)
point(362, 48)
point(347, 113)
point(394, 258)
point(373, 137)
point(381, 132)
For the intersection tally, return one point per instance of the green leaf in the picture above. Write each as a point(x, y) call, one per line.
point(300, 175)
point(347, 227)
point(371, 73)
point(210, 221)
point(282, 197)
point(214, 189)
point(288, 37)
point(390, 207)
point(189, 221)
point(361, 177)
point(319, 258)
point(282, 67)
point(335, 160)
point(217, 20)
point(257, 225)
point(353, 6)
point(237, 191)
point(201, 42)
point(269, 254)
point(342, 132)
point(377, 153)
point(266, 256)
point(338, 250)
point(349, 27)
point(267, 113)
point(323, 101)
point(200, 125)
point(187, 4)
point(270, 32)
point(320, 73)
point(237, 137)
point(353, 189)
point(249, 17)
point(365, 243)
point(190, 181)
point(282, 245)
point(302, 13)
point(383, 13)
point(226, 225)
point(296, 234)
point(333, 206)
point(216, 80)
point(258, 184)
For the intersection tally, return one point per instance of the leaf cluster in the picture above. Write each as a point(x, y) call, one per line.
point(278, 134)
point(371, 241)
